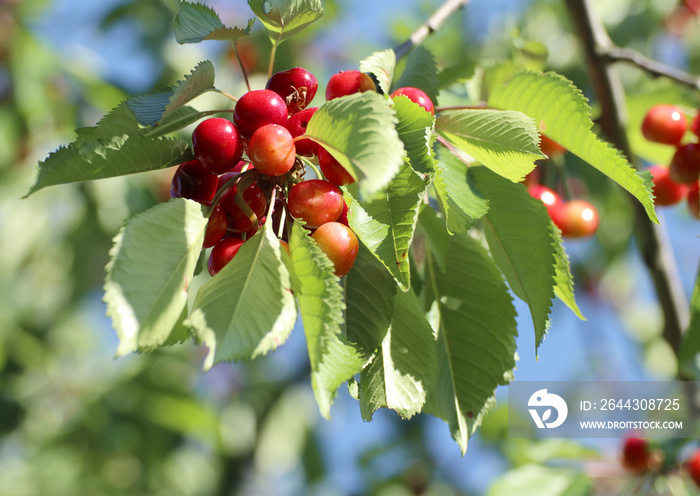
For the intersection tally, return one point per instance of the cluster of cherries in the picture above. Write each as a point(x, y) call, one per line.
point(668, 125)
point(639, 458)
point(576, 218)
point(258, 160)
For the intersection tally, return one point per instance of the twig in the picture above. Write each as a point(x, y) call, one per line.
point(433, 23)
point(652, 239)
point(652, 67)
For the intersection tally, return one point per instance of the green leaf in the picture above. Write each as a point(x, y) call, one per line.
point(518, 232)
point(504, 141)
point(179, 119)
point(564, 281)
point(283, 18)
point(115, 147)
point(405, 365)
point(415, 128)
point(247, 309)
point(152, 263)
point(195, 22)
point(334, 359)
point(691, 339)
point(460, 202)
point(537, 480)
point(382, 65)
point(475, 320)
point(421, 72)
point(153, 107)
point(562, 113)
point(386, 224)
point(359, 130)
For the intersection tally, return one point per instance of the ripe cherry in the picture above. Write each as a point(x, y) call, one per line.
point(222, 253)
point(257, 108)
point(238, 220)
point(693, 199)
point(216, 227)
point(664, 124)
point(416, 96)
point(296, 86)
point(348, 82)
point(685, 164)
point(191, 180)
point(551, 200)
point(578, 219)
point(533, 178)
point(666, 190)
point(217, 145)
point(693, 466)
point(332, 170)
point(339, 243)
point(343, 219)
point(271, 150)
point(635, 455)
point(297, 127)
point(550, 147)
point(315, 201)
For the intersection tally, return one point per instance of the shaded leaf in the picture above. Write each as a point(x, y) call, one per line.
point(382, 65)
point(283, 18)
point(564, 287)
point(538, 480)
point(415, 128)
point(195, 22)
point(421, 72)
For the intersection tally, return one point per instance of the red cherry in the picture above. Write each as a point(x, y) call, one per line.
point(222, 253)
point(332, 170)
point(315, 201)
point(191, 180)
point(272, 150)
point(550, 147)
point(693, 466)
point(693, 199)
point(217, 145)
point(285, 246)
point(257, 108)
point(343, 219)
point(416, 96)
point(685, 164)
point(216, 227)
point(297, 87)
point(339, 243)
point(254, 197)
point(666, 190)
point(551, 200)
point(578, 219)
point(297, 127)
point(533, 178)
point(635, 454)
point(348, 82)
point(664, 124)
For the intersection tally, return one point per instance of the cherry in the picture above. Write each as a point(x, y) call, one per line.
point(339, 243)
point(257, 108)
point(416, 96)
point(693, 466)
point(551, 200)
point(315, 201)
point(693, 199)
point(222, 253)
point(348, 82)
point(238, 220)
point(243, 166)
point(635, 454)
point(533, 178)
point(332, 170)
point(272, 150)
point(217, 145)
point(664, 124)
point(685, 164)
point(666, 190)
point(191, 180)
point(285, 245)
point(296, 86)
point(297, 127)
point(343, 219)
point(578, 219)
point(550, 147)
point(216, 227)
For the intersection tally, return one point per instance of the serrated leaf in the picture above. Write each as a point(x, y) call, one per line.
point(382, 65)
point(153, 107)
point(334, 359)
point(115, 147)
point(152, 263)
point(405, 365)
point(562, 113)
point(415, 127)
point(247, 309)
point(386, 224)
point(518, 232)
point(179, 119)
point(476, 329)
point(359, 130)
point(691, 339)
point(460, 202)
point(283, 18)
point(564, 281)
point(421, 72)
point(195, 22)
point(433, 229)
point(538, 480)
point(504, 141)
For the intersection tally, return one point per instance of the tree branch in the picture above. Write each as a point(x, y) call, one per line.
point(433, 23)
point(652, 239)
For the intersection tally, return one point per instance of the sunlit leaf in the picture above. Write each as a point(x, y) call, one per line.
point(283, 18)
point(415, 128)
point(195, 22)
point(382, 65)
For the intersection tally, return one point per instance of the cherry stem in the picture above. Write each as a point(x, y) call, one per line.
point(465, 107)
point(240, 62)
point(227, 95)
point(308, 163)
point(283, 219)
point(270, 66)
point(563, 176)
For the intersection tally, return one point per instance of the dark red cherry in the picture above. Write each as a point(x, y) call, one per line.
point(296, 125)
point(191, 180)
point(217, 145)
point(296, 86)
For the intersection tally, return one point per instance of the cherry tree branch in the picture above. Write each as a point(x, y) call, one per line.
point(433, 23)
point(652, 239)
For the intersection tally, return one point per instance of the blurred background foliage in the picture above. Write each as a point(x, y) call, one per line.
point(75, 421)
